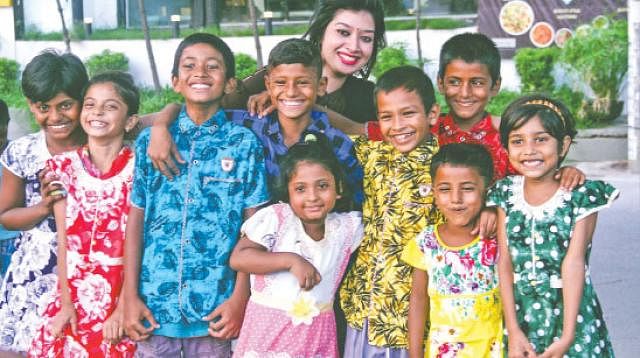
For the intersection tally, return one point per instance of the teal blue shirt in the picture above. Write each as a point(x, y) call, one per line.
point(192, 223)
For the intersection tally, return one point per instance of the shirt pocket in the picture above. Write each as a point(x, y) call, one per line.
point(222, 186)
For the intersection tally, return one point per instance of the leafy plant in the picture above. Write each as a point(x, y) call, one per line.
point(245, 66)
point(534, 65)
point(390, 57)
point(152, 101)
point(107, 61)
point(8, 74)
point(498, 103)
point(599, 58)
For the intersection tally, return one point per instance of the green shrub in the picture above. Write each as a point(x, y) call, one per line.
point(599, 58)
point(152, 101)
point(498, 103)
point(534, 65)
point(107, 61)
point(245, 66)
point(8, 74)
point(390, 57)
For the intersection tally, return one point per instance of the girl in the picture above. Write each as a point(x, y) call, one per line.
point(297, 252)
point(544, 238)
point(53, 86)
point(455, 279)
point(85, 318)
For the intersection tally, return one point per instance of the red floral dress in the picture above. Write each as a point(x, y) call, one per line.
point(97, 208)
point(483, 132)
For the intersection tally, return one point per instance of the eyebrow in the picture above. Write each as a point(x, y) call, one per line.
point(351, 27)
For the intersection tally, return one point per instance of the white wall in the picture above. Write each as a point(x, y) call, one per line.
point(103, 13)
point(135, 51)
point(7, 33)
point(43, 15)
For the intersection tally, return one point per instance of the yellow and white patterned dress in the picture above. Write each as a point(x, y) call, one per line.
point(465, 310)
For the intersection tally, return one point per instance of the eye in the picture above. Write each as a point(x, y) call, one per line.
point(384, 117)
point(112, 107)
point(88, 105)
point(44, 108)
point(515, 141)
point(443, 189)
point(453, 82)
point(409, 113)
point(468, 188)
point(299, 189)
point(477, 83)
point(323, 185)
point(188, 66)
point(344, 33)
point(279, 82)
point(541, 139)
point(66, 106)
point(366, 39)
point(213, 66)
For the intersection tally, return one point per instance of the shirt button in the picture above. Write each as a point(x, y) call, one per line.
point(184, 285)
point(190, 201)
point(195, 162)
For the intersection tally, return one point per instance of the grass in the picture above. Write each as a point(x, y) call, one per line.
point(77, 33)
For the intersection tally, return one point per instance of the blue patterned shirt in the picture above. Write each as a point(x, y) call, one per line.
point(268, 131)
point(192, 223)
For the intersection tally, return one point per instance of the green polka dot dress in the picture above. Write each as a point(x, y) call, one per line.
point(538, 238)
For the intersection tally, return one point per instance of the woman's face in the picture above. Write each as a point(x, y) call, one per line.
point(347, 43)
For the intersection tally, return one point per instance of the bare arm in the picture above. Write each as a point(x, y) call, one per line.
point(13, 213)
point(162, 149)
point(341, 122)
point(135, 309)
point(418, 311)
point(573, 272)
point(519, 345)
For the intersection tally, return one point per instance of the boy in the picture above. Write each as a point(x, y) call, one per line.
point(293, 81)
point(398, 205)
point(180, 233)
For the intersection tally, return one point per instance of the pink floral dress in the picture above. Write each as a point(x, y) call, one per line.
point(97, 208)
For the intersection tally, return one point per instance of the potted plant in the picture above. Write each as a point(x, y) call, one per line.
point(598, 55)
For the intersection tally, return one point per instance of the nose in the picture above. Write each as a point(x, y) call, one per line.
point(354, 41)
point(456, 196)
point(291, 89)
point(529, 147)
point(312, 194)
point(202, 71)
point(465, 89)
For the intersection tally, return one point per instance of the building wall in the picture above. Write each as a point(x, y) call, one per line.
point(42, 15)
point(104, 13)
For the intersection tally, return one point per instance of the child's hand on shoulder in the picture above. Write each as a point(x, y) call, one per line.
point(66, 316)
point(260, 104)
point(305, 272)
point(230, 315)
point(487, 223)
point(570, 177)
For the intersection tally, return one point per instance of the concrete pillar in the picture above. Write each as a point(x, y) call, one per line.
point(7, 31)
point(633, 91)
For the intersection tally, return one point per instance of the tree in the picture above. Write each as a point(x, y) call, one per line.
point(254, 28)
point(633, 91)
point(418, 20)
point(147, 40)
point(65, 32)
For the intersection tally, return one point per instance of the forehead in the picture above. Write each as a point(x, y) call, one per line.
point(450, 173)
point(532, 125)
point(60, 97)
point(310, 172)
point(360, 19)
point(292, 70)
point(461, 68)
point(398, 98)
point(201, 51)
point(102, 88)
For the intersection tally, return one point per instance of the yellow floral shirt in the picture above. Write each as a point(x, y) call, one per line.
point(398, 205)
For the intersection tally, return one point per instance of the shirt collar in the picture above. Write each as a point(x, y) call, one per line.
point(319, 123)
point(185, 124)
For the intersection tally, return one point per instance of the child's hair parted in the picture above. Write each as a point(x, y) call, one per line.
point(556, 118)
point(123, 84)
point(50, 73)
point(293, 51)
point(410, 78)
point(327, 11)
point(211, 40)
point(471, 47)
point(315, 149)
point(469, 155)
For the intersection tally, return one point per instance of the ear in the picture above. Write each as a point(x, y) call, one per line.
point(440, 85)
point(231, 85)
point(433, 114)
point(566, 144)
point(132, 121)
point(322, 86)
point(175, 83)
point(266, 81)
point(496, 87)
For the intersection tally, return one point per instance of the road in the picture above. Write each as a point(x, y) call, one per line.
point(615, 257)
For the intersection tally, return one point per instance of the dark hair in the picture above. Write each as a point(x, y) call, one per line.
point(313, 150)
point(410, 78)
point(471, 47)
point(211, 40)
point(554, 115)
point(123, 83)
point(296, 51)
point(50, 73)
point(4, 114)
point(327, 11)
point(474, 156)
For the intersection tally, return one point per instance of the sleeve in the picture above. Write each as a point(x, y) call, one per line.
point(592, 197)
point(413, 256)
point(262, 227)
point(498, 194)
point(10, 158)
point(60, 165)
point(373, 131)
point(362, 147)
point(138, 194)
point(358, 229)
point(255, 190)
